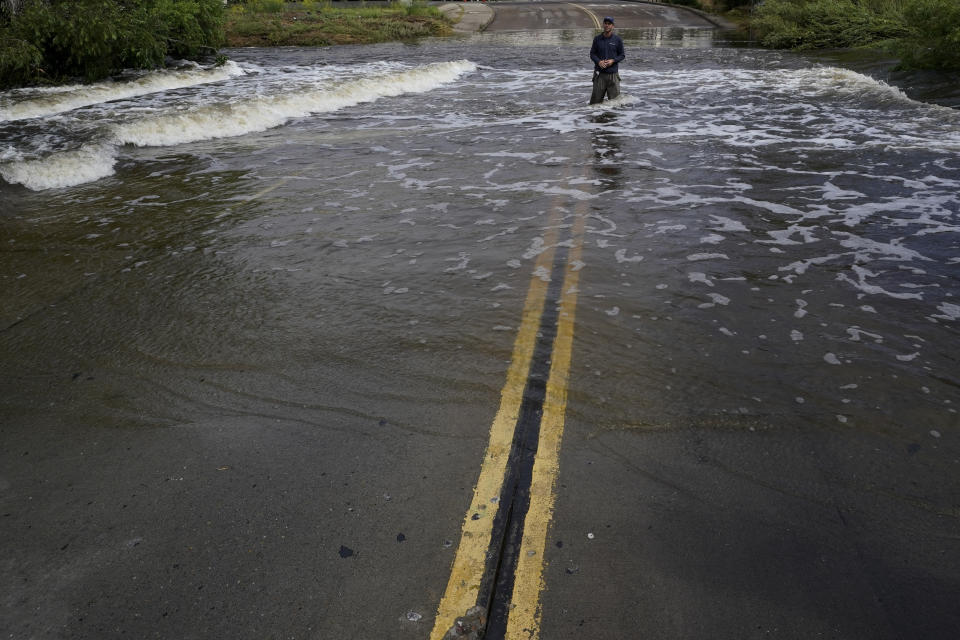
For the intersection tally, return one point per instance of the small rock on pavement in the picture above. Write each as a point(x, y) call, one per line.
point(469, 626)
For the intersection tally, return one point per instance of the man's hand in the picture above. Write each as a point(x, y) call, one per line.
point(605, 63)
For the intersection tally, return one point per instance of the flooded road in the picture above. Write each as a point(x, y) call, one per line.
point(256, 322)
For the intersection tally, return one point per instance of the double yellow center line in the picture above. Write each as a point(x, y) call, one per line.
point(475, 574)
point(593, 16)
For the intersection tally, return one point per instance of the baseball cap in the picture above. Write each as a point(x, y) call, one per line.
point(608, 19)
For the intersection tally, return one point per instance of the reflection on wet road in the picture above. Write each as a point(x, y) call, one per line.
point(256, 325)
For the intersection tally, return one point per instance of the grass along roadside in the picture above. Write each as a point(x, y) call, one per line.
point(310, 23)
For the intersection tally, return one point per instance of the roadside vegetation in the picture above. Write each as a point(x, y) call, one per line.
point(321, 22)
point(923, 34)
point(57, 41)
point(51, 41)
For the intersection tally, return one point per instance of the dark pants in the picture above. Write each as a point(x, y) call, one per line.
point(605, 84)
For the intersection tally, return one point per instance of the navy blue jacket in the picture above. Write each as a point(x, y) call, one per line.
point(607, 49)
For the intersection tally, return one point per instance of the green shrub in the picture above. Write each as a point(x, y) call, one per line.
point(416, 8)
point(924, 33)
point(19, 62)
point(819, 24)
point(77, 38)
point(191, 27)
point(92, 39)
point(933, 35)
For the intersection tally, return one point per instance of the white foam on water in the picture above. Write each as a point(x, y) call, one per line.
point(696, 257)
point(773, 207)
point(800, 266)
point(621, 256)
point(893, 250)
point(244, 115)
point(832, 192)
point(47, 103)
point(86, 164)
point(813, 108)
point(801, 308)
point(808, 109)
point(669, 228)
point(259, 113)
point(856, 333)
point(948, 311)
point(785, 236)
point(861, 284)
point(509, 154)
point(9, 153)
point(537, 246)
point(697, 276)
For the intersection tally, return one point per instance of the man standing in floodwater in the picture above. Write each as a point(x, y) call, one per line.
point(607, 54)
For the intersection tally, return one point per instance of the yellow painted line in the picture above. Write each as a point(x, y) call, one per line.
point(447, 8)
point(470, 562)
point(596, 21)
point(524, 618)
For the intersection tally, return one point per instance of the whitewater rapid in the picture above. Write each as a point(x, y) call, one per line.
point(91, 124)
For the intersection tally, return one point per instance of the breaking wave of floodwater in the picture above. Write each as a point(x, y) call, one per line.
point(46, 101)
point(211, 113)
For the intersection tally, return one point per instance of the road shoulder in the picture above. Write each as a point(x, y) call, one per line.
point(468, 17)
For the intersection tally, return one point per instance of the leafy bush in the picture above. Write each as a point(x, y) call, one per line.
point(933, 35)
point(91, 39)
point(19, 62)
point(924, 33)
point(191, 27)
point(75, 38)
point(819, 24)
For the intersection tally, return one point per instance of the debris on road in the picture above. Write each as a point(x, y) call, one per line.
point(469, 626)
